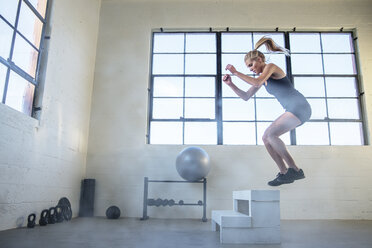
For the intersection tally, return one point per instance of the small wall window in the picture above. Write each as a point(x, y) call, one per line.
point(189, 104)
point(22, 25)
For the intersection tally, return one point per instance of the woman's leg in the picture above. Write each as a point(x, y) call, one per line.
point(276, 157)
point(275, 146)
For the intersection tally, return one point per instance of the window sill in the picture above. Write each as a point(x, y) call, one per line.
point(13, 118)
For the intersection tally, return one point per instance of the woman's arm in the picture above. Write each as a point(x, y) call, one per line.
point(257, 82)
point(242, 94)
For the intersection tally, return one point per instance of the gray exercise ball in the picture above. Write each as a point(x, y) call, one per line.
point(192, 163)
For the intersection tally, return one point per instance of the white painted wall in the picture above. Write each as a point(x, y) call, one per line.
point(42, 161)
point(338, 183)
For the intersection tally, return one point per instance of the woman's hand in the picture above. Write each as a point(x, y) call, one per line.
point(227, 79)
point(231, 68)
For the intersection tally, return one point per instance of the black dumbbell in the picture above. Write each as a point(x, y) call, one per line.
point(165, 202)
point(151, 202)
point(158, 202)
point(171, 202)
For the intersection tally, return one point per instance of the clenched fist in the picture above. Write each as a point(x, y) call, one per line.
point(227, 79)
point(231, 68)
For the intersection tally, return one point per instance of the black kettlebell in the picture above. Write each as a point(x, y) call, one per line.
point(31, 221)
point(59, 214)
point(44, 217)
point(52, 218)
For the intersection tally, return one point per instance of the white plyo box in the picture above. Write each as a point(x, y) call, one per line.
point(262, 205)
point(255, 218)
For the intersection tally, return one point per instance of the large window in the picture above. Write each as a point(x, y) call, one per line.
point(22, 25)
point(189, 103)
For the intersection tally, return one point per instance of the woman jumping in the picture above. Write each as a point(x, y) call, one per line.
point(297, 109)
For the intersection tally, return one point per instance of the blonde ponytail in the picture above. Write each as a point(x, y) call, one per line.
point(271, 45)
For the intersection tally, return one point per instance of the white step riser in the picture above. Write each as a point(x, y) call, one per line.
point(265, 214)
point(239, 222)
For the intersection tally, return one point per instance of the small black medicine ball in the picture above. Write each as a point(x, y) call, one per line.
point(113, 212)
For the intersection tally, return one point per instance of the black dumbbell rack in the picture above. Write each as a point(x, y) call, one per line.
point(160, 202)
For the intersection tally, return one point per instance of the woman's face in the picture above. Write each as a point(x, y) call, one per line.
point(256, 65)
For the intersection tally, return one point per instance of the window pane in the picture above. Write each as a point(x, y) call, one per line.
point(237, 109)
point(167, 64)
point(307, 64)
point(268, 109)
point(239, 133)
point(201, 133)
point(166, 132)
point(20, 94)
point(25, 56)
point(278, 59)
point(305, 43)
point(8, 9)
point(277, 37)
point(30, 25)
point(6, 34)
point(228, 92)
point(200, 64)
point(167, 108)
point(339, 64)
point(341, 87)
point(318, 109)
point(262, 126)
point(200, 108)
point(312, 133)
point(310, 86)
point(235, 59)
point(200, 86)
point(235, 42)
point(337, 43)
point(346, 133)
point(343, 108)
point(200, 43)
point(168, 43)
point(3, 71)
point(168, 86)
point(39, 5)
point(185, 86)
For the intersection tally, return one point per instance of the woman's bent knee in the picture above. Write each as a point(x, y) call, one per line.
point(266, 139)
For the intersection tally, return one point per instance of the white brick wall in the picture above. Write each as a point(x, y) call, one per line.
point(42, 161)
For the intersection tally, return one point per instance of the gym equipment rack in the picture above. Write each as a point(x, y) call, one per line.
point(159, 202)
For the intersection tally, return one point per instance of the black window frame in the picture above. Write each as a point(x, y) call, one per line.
point(218, 86)
point(10, 65)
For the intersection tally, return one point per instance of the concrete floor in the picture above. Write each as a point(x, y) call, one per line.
point(131, 232)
